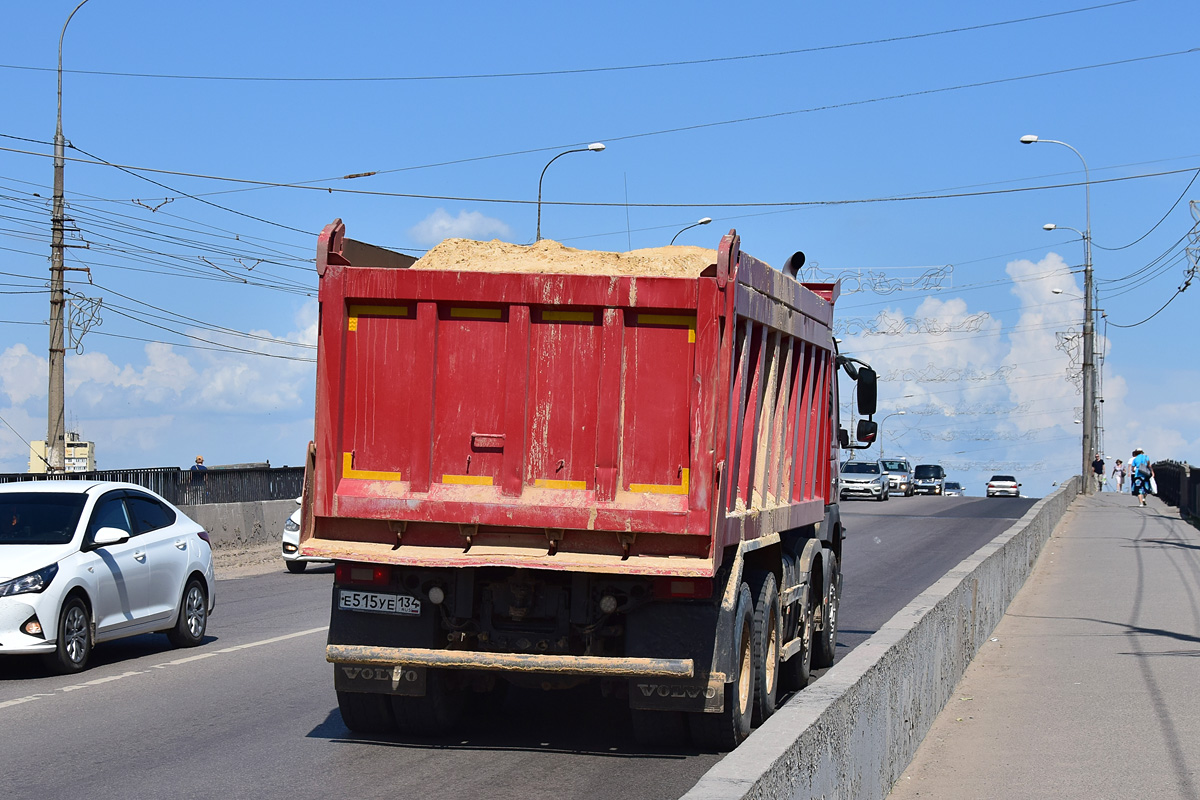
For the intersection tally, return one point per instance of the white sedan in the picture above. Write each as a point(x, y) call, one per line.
point(291, 545)
point(83, 562)
point(1003, 486)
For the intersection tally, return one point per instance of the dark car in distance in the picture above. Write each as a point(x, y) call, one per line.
point(929, 479)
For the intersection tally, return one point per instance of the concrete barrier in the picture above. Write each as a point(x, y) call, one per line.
point(236, 526)
point(852, 733)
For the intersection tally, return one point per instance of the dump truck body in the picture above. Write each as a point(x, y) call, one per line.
point(563, 467)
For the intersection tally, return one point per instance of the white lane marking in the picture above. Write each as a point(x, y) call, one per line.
point(199, 657)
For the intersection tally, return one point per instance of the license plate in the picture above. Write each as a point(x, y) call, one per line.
point(379, 603)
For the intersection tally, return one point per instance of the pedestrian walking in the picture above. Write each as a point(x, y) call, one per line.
point(1098, 472)
point(1141, 472)
point(1119, 473)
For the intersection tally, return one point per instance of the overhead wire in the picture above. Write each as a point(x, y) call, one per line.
point(584, 70)
point(596, 204)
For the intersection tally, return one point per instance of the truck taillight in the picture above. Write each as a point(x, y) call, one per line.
point(683, 587)
point(362, 573)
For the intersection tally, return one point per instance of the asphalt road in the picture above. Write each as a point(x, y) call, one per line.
point(252, 712)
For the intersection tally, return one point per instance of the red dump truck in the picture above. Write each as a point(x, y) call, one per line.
point(554, 474)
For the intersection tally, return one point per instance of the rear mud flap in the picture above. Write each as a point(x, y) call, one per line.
point(372, 679)
point(678, 695)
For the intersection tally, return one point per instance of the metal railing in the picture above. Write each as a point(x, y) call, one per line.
point(185, 487)
point(1179, 485)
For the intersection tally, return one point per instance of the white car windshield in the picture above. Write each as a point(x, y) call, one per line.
point(860, 469)
point(896, 466)
point(39, 517)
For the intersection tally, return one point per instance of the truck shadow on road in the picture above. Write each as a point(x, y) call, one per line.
point(528, 721)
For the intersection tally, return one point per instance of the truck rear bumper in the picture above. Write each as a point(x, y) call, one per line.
point(510, 662)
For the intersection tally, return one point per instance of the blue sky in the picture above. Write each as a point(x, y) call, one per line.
point(219, 279)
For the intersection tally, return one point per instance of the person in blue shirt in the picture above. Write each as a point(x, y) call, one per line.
point(1141, 473)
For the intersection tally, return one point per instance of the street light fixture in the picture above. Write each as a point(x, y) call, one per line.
point(594, 147)
point(703, 221)
point(56, 388)
point(881, 430)
point(1089, 328)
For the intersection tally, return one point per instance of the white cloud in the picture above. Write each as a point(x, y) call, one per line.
point(22, 374)
point(467, 225)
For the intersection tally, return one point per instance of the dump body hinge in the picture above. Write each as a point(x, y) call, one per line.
point(468, 532)
point(398, 527)
point(626, 540)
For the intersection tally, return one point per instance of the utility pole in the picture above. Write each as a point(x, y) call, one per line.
point(55, 413)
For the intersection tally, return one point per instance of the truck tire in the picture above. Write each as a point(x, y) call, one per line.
point(795, 672)
point(768, 640)
point(724, 731)
point(825, 638)
point(437, 712)
point(659, 728)
point(366, 713)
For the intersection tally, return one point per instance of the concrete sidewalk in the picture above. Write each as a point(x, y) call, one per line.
point(1090, 685)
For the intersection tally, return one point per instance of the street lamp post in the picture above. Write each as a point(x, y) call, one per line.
point(55, 413)
point(594, 147)
point(703, 221)
point(1089, 327)
point(882, 433)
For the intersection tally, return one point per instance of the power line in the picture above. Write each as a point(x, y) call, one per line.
point(1160, 222)
point(579, 71)
point(27, 444)
point(594, 204)
point(208, 325)
point(185, 194)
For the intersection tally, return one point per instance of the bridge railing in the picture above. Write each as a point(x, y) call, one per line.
point(1179, 485)
point(185, 487)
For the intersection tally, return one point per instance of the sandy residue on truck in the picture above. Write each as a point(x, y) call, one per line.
point(551, 257)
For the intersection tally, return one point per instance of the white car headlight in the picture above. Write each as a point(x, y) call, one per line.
point(33, 582)
point(291, 525)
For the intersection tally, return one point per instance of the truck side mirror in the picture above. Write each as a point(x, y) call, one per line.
point(843, 438)
point(867, 430)
point(867, 391)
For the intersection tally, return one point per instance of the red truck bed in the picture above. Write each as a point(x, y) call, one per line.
point(565, 421)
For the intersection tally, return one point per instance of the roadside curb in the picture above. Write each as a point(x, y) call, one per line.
point(852, 733)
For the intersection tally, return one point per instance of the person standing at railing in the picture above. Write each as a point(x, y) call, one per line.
point(1141, 474)
point(198, 474)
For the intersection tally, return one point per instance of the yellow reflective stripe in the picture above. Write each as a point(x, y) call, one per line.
point(672, 320)
point(470, 480)
point(348, 471)
point(373, 311)
point(657, 488)
point(542, 483)
point(475, 313)
point(568, 316)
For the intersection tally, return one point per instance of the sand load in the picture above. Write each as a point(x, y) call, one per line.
point(551, 257)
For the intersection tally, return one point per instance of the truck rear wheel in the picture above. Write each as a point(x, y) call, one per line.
point(768, 638)
point(795, 672)
point(437, 712)
point(366, 713)
point(825, 639)
point(729, 728)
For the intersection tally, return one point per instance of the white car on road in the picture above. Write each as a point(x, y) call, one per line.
point(291, 545)
point(1003, 486)
point(83, 562)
